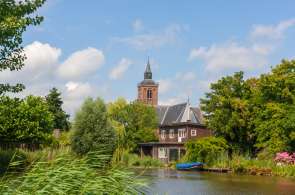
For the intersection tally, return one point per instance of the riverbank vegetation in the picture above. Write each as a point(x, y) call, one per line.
point(80, 161)
point(63, 172)
point(253, 119)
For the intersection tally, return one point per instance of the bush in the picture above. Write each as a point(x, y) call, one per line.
point(92, 129)
point(285, 157)
point(205, 150)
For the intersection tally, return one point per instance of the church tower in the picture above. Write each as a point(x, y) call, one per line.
point(148, 89)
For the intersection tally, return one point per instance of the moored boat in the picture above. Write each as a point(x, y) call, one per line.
point(189, 166)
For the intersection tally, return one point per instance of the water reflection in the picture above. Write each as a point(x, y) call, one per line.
point(166, 181)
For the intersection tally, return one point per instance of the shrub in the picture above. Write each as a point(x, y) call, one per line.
point(92, 129)
point(285, 157)
point(205, 150)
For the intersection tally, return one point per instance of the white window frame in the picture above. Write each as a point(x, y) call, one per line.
point(171, 133)
point(162, 152)
point(193, 132)
point(163, 134)
point(182, 133)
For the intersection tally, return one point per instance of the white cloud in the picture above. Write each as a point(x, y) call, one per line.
point(137, 25)
point(251, 55)
point(173, 100)
point(272, 31)
point(81, 63)
point(229, 56)
point(118, 71)
point(154, 39)
point(41, 60)
point(74, 94)
point(40, 74)
point(187, 76)
point(76, 90)
point(165, 85)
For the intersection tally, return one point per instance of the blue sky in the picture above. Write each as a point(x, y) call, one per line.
point(100, 47)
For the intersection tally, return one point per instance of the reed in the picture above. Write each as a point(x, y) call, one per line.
point(254, 166)
point(68, 173)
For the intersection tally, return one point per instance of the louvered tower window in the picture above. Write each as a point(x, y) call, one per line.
point(149, 94)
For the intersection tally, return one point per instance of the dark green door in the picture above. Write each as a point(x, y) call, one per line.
point(173, 154)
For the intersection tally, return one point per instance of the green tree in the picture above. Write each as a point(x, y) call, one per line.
point(15, 17)
point(92, 129)
point(55, 102)
point(205, 150)
point(136, 121)
point(228, 111)
point(274, 111)
point(118, 114)
point(25, 121)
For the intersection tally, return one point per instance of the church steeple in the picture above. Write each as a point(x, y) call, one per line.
point(148, 73)
point(148, 89)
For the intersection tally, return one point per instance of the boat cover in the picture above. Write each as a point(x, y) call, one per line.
point(188, 165)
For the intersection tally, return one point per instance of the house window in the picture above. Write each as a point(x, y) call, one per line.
point(171, 133)
point(193, 132)
point(162, 153)
point(182, 133)
point(149, 94)
point(163, 134)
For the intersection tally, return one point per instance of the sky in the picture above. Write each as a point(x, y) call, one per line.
point(99, 48)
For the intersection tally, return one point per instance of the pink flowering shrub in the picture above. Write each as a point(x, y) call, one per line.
point(285, 157)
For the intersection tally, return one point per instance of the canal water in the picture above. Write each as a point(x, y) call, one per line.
point(172, 182)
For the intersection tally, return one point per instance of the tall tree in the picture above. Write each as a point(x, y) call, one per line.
point(92, 129)
point(55, 102)
point(137, 122)
point(227, 111)
point(25, 121)
point(15, 17)
point(274, 115)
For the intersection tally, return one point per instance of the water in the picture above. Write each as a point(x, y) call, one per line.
point(172, 182)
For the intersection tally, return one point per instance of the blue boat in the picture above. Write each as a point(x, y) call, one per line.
point(189, 166)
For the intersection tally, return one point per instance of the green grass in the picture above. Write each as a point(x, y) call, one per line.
point(62, 172)
point(247, 165)
point(133, 160)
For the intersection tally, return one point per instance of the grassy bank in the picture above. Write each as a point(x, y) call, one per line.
point(135, 161)
point(245, 165)
point(62, 172)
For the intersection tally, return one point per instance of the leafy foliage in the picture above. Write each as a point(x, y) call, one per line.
point(15, 17)
point(92, 128)
point(274, 114)
point(25, 121)
point(257, 114)
point(205, 149)
point(54, 101)
point(228, 112)
point(134, 122)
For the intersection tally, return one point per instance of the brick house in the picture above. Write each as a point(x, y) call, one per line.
point(176, 123)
